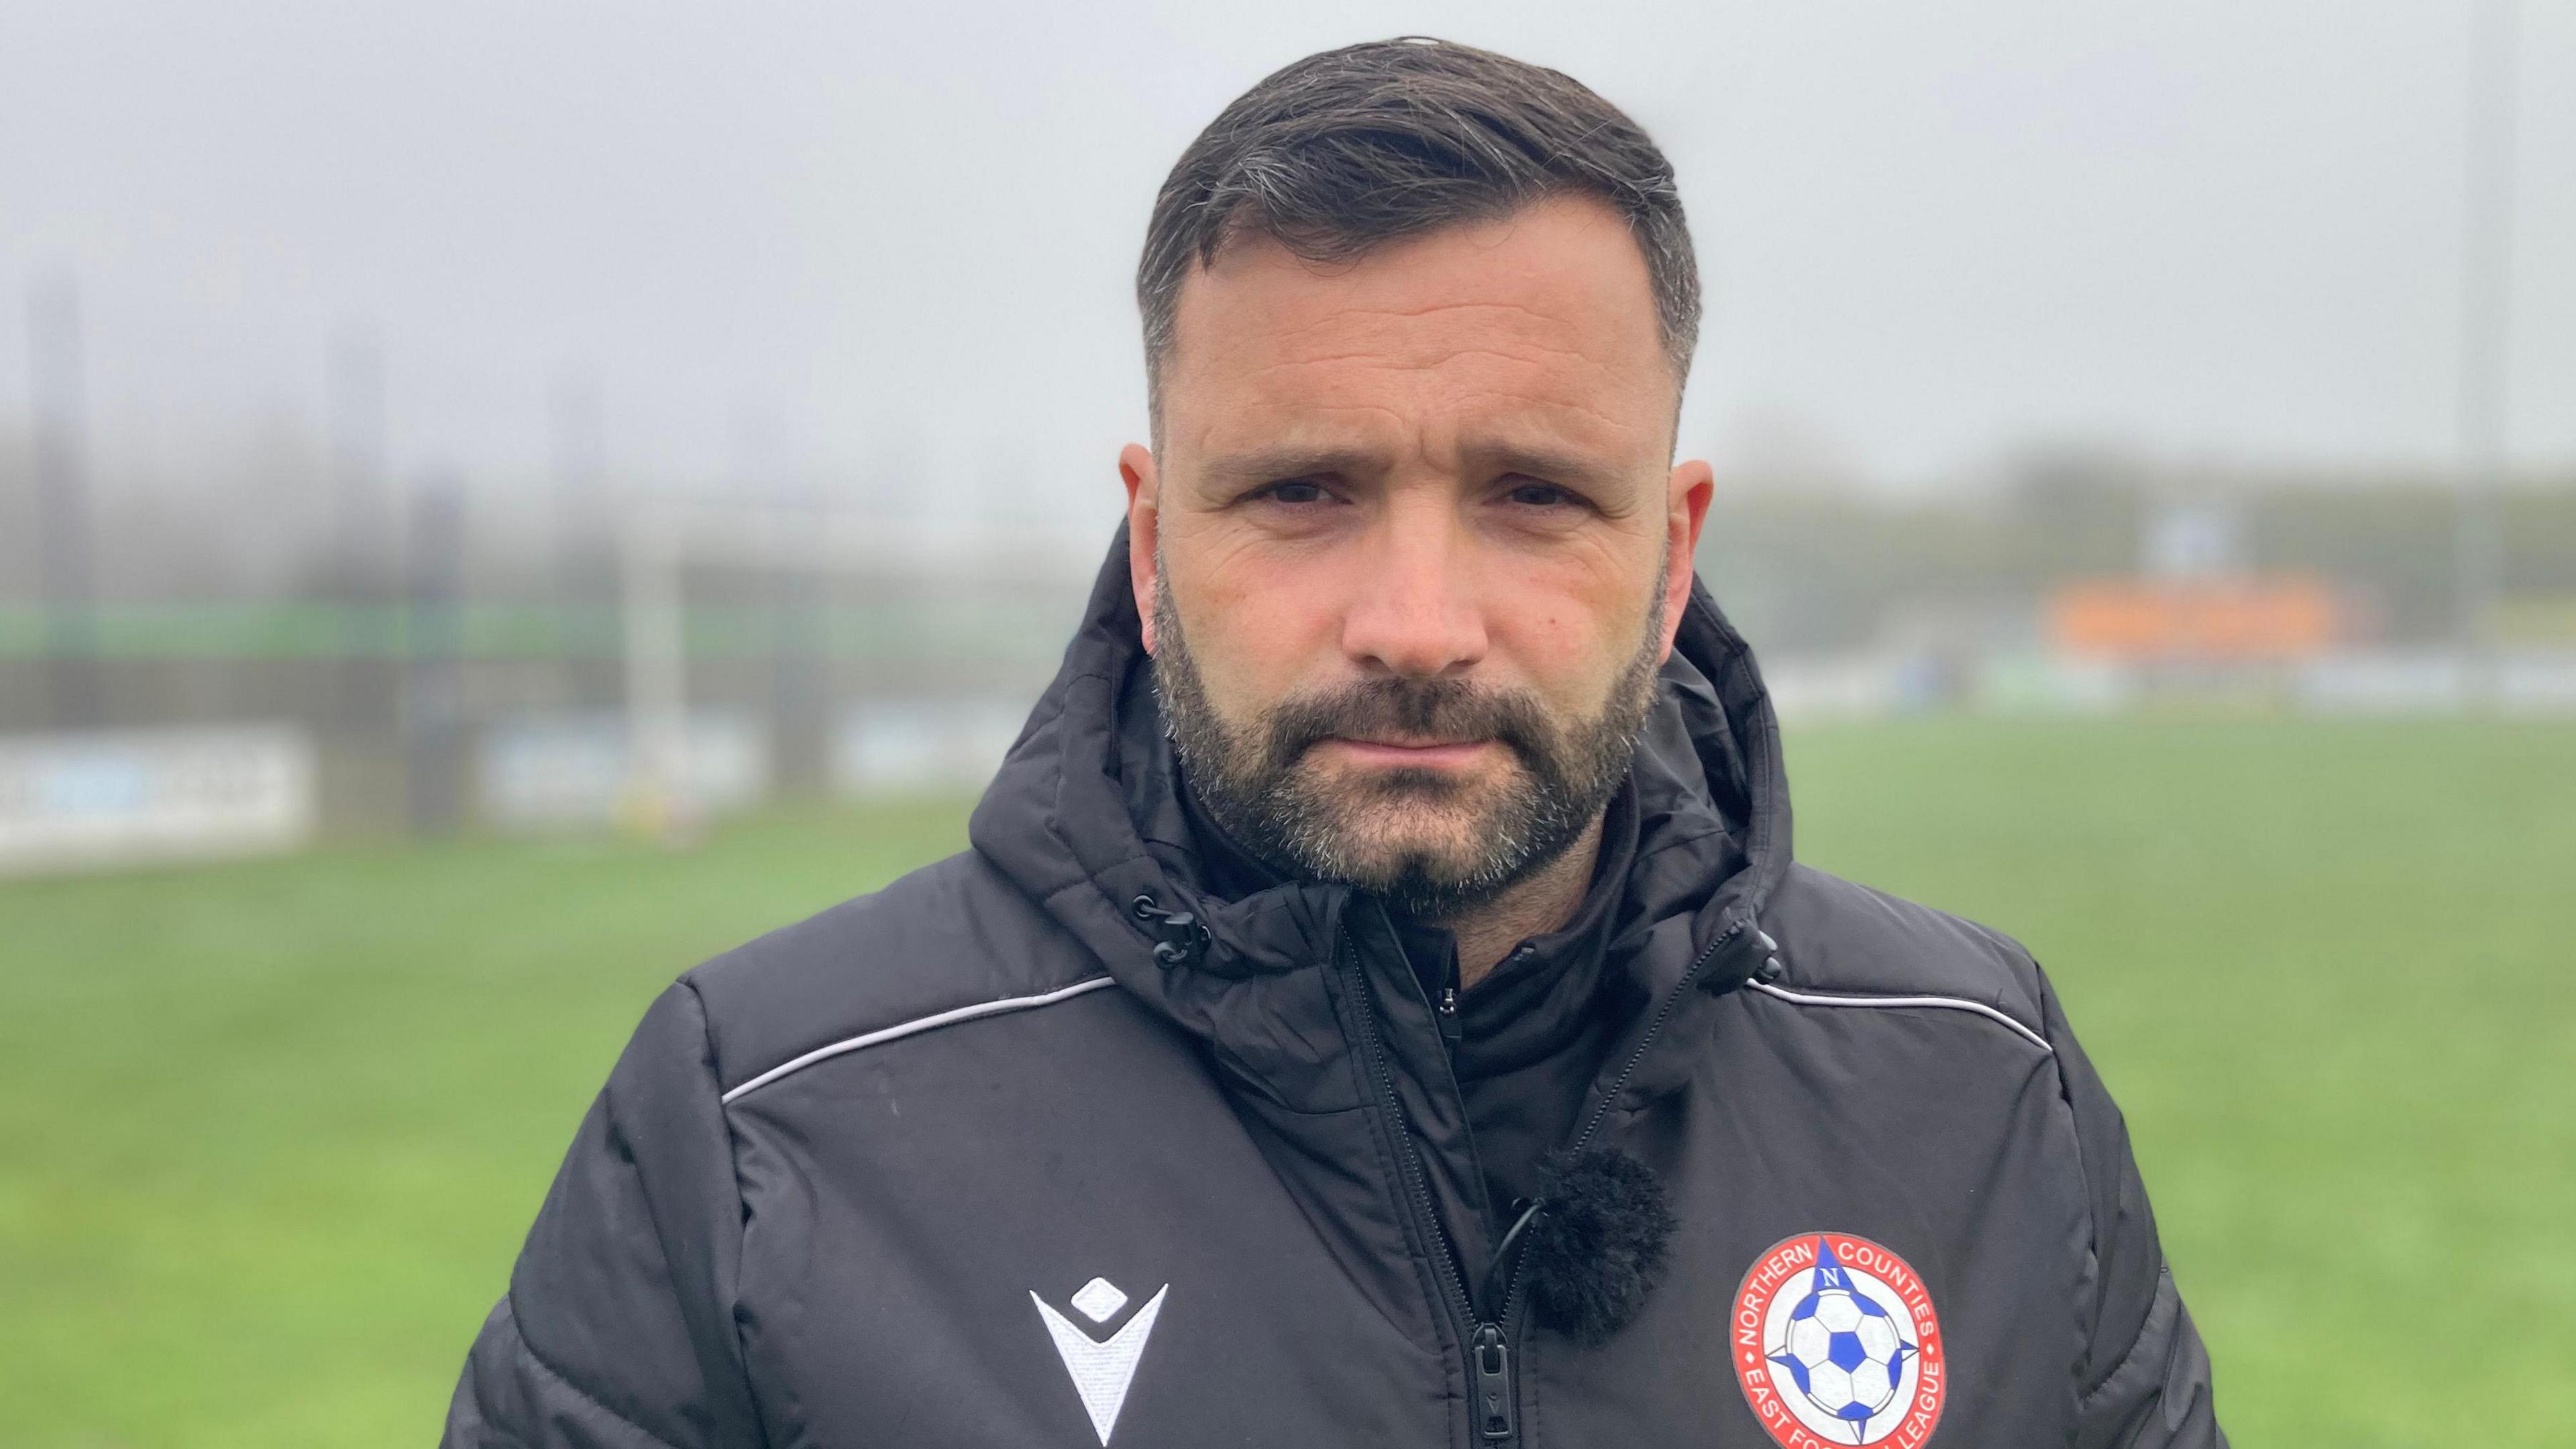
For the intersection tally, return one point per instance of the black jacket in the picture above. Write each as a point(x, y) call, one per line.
point(1086, 1135)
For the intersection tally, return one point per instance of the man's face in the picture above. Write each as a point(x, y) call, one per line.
point(1412, 549)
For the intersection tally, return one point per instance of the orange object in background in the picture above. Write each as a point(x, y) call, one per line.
point(2237, 619)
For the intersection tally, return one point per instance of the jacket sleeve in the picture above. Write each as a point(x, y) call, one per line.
point(2144, 1380)
point(618, 1329)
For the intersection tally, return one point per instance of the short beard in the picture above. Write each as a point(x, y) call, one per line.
point(1253, 785)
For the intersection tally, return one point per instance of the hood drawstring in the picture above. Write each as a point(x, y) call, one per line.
point(1769, 970)
point(1181, 938)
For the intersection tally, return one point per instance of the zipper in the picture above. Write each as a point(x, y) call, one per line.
point(1493, 1394)
point(1655, 1028)
point(1493, 1377)
point(1493, 1390)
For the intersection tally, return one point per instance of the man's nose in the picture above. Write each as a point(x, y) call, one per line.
point(1414, 611)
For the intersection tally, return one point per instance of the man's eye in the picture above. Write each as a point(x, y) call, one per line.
point(1539, 495)
point(1296, 490)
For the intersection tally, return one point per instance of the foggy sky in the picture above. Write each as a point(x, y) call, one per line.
point(863, 240)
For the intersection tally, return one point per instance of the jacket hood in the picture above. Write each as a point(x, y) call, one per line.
point(1087, 816)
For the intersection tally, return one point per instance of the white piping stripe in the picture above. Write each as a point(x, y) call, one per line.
point(921, 1024)
point(1951, 1003)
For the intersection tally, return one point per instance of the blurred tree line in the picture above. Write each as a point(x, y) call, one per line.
point(1803, 566)
point(1819, 569)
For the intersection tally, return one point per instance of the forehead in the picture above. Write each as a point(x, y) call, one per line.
point(1540, 321)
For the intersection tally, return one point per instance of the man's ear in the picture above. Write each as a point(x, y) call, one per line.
point(1692, 485)
point(1136, 470)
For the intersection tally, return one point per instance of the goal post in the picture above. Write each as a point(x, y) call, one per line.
point(661, 540)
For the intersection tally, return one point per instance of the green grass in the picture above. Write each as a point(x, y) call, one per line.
point(2325, 969)
point(269, 1133)
point(287, 1121)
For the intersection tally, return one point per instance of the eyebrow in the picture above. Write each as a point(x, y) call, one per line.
point(1543, 462)
point(1264, 465)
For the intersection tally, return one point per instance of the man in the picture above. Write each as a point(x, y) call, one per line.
point(1380, 1006)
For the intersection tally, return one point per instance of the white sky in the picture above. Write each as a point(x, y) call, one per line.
point(875, 236)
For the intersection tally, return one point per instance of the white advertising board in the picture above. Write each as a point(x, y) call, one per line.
point(93, 801)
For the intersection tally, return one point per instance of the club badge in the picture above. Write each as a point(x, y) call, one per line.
point(1835, 1343)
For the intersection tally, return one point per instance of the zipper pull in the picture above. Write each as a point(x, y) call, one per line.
point(1452, 1030)
point(1493, 1377)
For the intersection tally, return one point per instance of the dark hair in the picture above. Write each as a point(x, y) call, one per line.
point(1351, 148)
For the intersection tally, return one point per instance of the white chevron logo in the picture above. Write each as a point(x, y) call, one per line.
point(1101, 1370)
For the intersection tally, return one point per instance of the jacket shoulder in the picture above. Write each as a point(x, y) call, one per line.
point(954, 934)
point(1845, 938)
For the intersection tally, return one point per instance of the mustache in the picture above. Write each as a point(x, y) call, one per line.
point(1448, 709)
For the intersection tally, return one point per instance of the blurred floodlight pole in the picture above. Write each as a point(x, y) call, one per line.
point(365, 693)
point(434, 646)
point(354, 387)
point(579, 430)
point(64, 544)
point(2486, 266)
point(657, 682)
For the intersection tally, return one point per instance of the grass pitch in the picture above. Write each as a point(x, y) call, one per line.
point(269, 1133)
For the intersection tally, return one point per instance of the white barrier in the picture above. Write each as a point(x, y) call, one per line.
point(1823, 689)
point(2036, 683)
point(2523, 683)
point(2538, 684)
point(127, 797)
point(2386, 683)
point(896, 747)
point(563, 770)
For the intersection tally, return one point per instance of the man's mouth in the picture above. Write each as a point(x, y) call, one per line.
point(1407, 753)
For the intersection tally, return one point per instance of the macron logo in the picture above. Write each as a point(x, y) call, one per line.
point(1101, 1368)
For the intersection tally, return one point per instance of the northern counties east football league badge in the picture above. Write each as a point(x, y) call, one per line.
point(1835, 1343)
